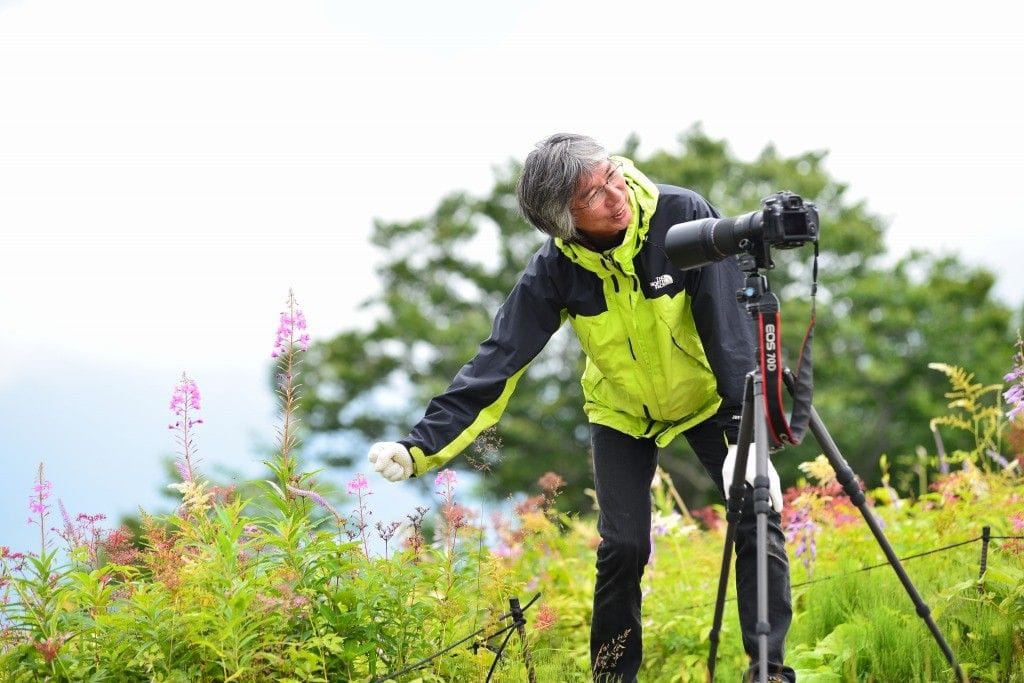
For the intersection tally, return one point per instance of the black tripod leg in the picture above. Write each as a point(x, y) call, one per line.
point(734, 506)
point(846, 477)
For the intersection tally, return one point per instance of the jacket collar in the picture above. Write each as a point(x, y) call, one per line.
point(643, 199)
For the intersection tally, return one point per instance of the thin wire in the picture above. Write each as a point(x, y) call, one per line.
point(864, 569)
point(454, 645)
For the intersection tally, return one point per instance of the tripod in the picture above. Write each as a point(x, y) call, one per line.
point(754, 420)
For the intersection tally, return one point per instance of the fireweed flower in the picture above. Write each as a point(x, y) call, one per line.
point(186, 402)
point(358, 484)
point(1015, 394)
point(454, 515)
point(40, 494)
point(38, 507)
point(291, 333)
point(360, 488)
point(446, 481)
point(291, 329)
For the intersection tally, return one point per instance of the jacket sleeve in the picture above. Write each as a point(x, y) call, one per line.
point(478, 395)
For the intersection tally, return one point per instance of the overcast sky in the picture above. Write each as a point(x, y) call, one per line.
point(169, 170)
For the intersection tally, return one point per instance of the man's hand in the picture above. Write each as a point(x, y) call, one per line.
point(391, 459)
point(774, 485)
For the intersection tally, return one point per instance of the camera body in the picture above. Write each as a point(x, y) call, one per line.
point(785, 221)
point(788, 221)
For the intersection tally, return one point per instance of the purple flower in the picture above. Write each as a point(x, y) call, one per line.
point(186, 396)
point(804, 531)
point(183, 470)
point(316, 498)
point(291, 329)
point(186, 402)
point(40, 493)
point(38, 507)
point(357, 485)
point(1015, 394)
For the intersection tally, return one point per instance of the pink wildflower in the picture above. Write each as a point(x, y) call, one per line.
point(186, 402)
point(291, 329)
point(546, 618)
point(1015, 394)
point(550, 483)
point(457, 516)
point(357, 485)
point(446, 479)
point(709, 517)
point(186, 395)
point(40, 493)
point(37, 504)
point(360, 488)
point(508, 552)
point(38, 507)
point(120, 547)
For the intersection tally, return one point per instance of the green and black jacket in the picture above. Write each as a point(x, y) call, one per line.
point(666, 349)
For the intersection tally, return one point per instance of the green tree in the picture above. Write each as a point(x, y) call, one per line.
point(446, 274)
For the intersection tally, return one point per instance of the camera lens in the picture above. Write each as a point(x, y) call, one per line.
point(697, 243)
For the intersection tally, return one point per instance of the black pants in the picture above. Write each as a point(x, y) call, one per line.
point(623, 469)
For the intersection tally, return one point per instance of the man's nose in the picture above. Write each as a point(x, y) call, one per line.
point(613, 194)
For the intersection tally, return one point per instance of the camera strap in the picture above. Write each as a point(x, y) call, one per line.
point(780, 429)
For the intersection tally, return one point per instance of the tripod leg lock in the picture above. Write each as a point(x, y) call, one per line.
point(846, 477)
point(762, 497)
point(734, 503)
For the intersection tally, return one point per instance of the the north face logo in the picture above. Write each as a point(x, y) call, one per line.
point(661, 281)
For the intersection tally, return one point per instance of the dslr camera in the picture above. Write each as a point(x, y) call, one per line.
point(785, 221)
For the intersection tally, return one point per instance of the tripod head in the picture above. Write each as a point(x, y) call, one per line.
point(756, 285)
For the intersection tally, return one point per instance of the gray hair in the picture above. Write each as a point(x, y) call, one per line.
point(550, 175)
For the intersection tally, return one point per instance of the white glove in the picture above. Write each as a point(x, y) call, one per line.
point(774, 485)
point(391, 459)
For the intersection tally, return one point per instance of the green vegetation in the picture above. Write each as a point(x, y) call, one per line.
point(283, 586)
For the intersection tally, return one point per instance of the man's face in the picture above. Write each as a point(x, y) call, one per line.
point(600, 206)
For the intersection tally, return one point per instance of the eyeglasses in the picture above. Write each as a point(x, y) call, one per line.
point(597, 194)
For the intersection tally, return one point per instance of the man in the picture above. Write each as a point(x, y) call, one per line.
point(667, 353)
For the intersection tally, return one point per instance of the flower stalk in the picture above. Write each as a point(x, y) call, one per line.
point(292, 338)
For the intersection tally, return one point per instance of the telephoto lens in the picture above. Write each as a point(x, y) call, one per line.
point(694, 244)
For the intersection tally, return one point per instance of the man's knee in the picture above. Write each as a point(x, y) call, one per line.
point(616, 553)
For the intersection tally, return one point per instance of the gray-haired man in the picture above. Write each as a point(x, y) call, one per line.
point(667, 353)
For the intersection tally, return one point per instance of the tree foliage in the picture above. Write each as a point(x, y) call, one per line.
point(444, 276)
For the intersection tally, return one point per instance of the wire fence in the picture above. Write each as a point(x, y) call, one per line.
point(985, 539)
point(518, 620)
point(516, 613)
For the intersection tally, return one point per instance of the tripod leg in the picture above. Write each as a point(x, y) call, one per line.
point(734, 505)
point(761, 507)
point(846, 477)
